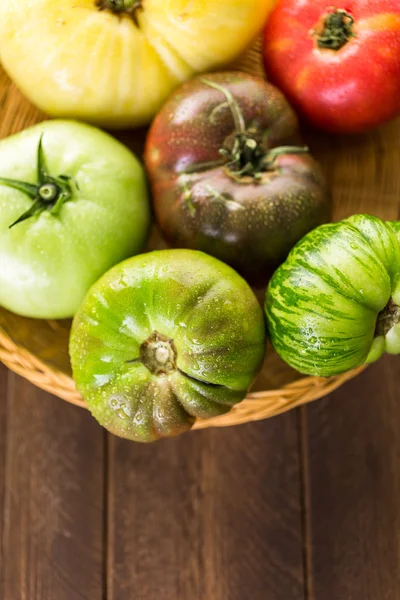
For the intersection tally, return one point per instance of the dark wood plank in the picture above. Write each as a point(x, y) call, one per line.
point(53, 534)
point(213, 515)
point(353, 453)
point(3, 444)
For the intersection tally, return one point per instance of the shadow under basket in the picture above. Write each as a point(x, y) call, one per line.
point(363, 172)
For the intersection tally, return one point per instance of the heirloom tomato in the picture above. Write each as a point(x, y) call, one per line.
point(337, 63)
point(229, 176)
point(114, 62)
point(165, 338)
point(73, 202)
point(335, 303)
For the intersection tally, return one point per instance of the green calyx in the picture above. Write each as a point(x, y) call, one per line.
point(247, 158)
point(129, 7)
point(50, 193)
point(337, 30)
point(246, 155)
point(158, 354)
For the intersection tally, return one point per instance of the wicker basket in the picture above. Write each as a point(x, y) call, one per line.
point(365, 177)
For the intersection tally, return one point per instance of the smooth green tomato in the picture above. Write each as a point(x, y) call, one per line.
point(334, 304)
point(163, 339)
point(73, 202)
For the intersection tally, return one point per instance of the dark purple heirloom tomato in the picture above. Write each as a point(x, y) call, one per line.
point(229, 174)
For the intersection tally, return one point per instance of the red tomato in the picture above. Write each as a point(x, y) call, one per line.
point(339, 66)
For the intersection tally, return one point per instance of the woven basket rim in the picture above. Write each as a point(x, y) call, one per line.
point(256, 406)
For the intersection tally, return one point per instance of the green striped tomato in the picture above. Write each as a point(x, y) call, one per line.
point(334, 304)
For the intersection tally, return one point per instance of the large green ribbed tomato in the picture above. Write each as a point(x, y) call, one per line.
point(165, 338)
point(335, 303)
point(73, 202)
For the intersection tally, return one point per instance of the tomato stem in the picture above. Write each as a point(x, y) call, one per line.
point(49, 192)
point(237, 114)
point(387, 318)
point(337, 30)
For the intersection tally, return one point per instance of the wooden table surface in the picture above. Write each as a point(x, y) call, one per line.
point(302, 506)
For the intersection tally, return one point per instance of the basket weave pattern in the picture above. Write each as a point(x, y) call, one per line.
point(257, 406)
point(364, 176)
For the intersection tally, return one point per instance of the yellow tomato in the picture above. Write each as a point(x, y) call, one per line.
point(84, 59)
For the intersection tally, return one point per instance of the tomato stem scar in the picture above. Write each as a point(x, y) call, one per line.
point(336, 30)
point(122, 6)
point(158, 354)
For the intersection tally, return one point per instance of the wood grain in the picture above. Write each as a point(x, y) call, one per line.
point(3, 445)
point(212, 515)
point(215, 515)
point(353, 452)
point(53, 534)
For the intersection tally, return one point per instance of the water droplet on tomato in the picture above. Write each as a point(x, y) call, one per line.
point(102, 379)
point(121, 413)
point(121, 409)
